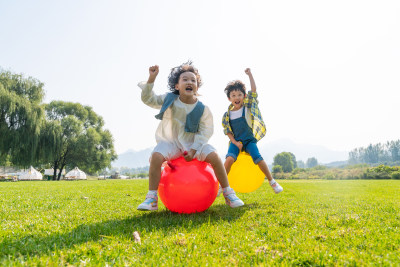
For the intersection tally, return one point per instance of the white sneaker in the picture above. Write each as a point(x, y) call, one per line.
point(231, 199)
point(219, 191)
point(151, 202)
point(275, 186)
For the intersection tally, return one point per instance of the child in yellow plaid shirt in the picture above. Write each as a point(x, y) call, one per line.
point(244, 126)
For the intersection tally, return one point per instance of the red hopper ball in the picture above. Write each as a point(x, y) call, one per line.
point(188, 187)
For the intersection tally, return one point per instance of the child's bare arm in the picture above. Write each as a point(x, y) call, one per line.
point(153, 72)
point(148, 96)
point(252, 82)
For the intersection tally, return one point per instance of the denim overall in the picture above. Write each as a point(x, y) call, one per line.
point(243, 133)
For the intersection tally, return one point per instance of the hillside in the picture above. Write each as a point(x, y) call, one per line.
point(135, 159)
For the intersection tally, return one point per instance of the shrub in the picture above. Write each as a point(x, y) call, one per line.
point(330, 176)
point(360, 171)
point(294, 176)
point(381, 172)
point(277, 169)
point(298, 170)
point(357, 166)
point(396, 175)
point(142, 175)
point(319, 167)
point(382, 169)
point(375, 175)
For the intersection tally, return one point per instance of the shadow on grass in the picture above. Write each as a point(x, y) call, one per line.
point(143, 222)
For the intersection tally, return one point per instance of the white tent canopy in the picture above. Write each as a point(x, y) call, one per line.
point(75, 174)
point(30, 174)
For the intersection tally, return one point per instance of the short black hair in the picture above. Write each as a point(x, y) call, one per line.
point(235, 86)
point(176, 72)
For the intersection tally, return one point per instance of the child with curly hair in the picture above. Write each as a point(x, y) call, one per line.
point(185, 128)
point(244, 126)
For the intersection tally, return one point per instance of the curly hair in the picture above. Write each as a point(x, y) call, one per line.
point(176, 72)
point(235, 86)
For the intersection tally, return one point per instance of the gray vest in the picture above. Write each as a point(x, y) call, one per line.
point(192, 119)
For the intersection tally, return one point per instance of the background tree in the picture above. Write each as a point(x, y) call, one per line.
point(301, 164)
point(277, 169)
point(373, 153)
point(76, 138)
point(293, 160)
point(311, 162)
point(284, 159)
point(354, 156)
point(393, 148)
point(377, 153)
point(21, 118)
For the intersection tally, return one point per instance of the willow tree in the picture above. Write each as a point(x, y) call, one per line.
point(21, 117)
point(75, 137)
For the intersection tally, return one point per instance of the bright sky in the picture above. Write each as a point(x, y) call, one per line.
point(327, 72)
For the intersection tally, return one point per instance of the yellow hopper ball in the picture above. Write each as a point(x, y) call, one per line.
point(245, 176)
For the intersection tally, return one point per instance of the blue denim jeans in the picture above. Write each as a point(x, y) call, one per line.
point(251, 148)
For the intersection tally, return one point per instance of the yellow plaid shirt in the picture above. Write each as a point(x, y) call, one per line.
point(258, 125)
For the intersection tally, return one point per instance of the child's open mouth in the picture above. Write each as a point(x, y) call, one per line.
point(237, 102)
point(190, 89)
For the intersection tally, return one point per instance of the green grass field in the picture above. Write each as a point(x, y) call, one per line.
point(318, 222)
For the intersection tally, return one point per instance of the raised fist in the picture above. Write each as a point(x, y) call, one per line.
point(153, 70)
point(247, 71)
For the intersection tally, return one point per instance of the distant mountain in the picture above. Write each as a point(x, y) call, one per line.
point(302, 151)
point(133, 159)
point(326, 156)
point(336, 164)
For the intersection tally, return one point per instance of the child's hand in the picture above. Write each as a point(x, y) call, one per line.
point(239, 145)
point(247, 71)
point(153, 72)
point(188, 156)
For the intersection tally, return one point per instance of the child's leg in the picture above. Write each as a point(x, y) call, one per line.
point(233, 152)
point(231, 156)
point(274, 184)
point(155, 170)
point(252, 149)
point(230, 197)
point(151, 201)
point(219, 169)
point(264, 168)
point(228, 164)
point(161, 153)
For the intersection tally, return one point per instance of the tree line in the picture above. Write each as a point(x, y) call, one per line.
point(387, 153)
point(377, 154)
point(57, 135)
